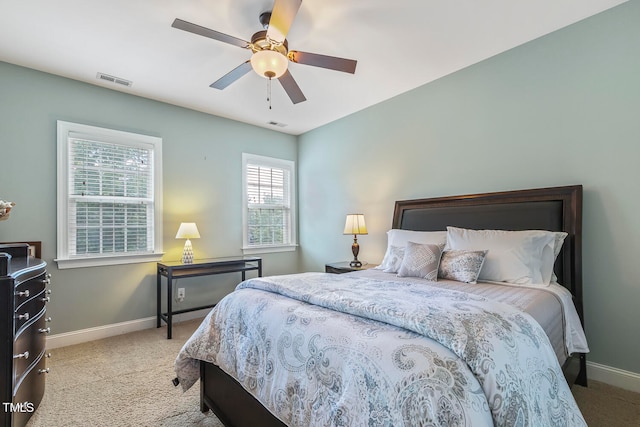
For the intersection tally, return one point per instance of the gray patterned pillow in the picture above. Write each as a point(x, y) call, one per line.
point(421, 261)
point(461, 266)
point(394, 259)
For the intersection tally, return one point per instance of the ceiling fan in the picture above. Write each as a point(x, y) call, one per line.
point(271, 54)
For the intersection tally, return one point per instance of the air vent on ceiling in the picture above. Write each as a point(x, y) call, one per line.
point(272, 123)
point(113, 79)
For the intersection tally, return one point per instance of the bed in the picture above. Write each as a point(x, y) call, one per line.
point(455, 385)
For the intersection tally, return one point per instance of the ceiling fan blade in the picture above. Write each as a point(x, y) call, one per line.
point(282, 16)
point(324, 61)
point(232, 76)
point(291, 87)
point(206, 32)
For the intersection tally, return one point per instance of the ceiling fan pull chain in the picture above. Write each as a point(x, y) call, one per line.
point(269, 92)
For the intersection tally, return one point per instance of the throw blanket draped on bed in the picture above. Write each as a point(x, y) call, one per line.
point(518, 381)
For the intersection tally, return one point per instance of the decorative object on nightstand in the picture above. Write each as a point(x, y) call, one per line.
point(188, 230)
point(5, 208)
point(355, 225)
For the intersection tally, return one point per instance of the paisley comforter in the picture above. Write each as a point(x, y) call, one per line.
point(333, 350)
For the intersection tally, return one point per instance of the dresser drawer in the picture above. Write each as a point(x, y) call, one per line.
point(29, 289)
point(28, 310)
point(30, 391)
point(28, 346)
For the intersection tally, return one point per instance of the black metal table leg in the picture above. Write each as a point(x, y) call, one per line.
point(169, 305)
point(158, 298)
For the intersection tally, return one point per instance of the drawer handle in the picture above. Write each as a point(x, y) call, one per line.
point(24, 355)
point(23, 316)
point(47, 319)
point(45, 299)
point(23, 293)
point(43, 371)
point(48, 292)
point(47, 355)
point(47, 280)
point(44, 330)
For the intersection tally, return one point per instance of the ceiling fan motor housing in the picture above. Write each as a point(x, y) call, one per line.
point(259, 42)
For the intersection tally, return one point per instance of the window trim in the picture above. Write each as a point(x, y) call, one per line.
point(273, 162)
point(64, 261)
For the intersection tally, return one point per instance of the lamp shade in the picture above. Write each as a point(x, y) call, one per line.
point(188, 230)
point(355, 224)
point(269, 64)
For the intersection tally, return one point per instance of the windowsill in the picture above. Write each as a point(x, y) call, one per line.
point(268, 249)
point(110, 260)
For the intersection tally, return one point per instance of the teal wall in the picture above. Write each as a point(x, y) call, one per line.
point(202, 173)
point(561, 110)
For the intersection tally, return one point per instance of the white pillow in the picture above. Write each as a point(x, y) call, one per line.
point(400, 238)
point(519, 257)
point(559, 240)
point(394, 259)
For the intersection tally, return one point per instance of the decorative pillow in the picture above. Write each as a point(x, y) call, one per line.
point(421, 260)
point(396, 237)
point(519, 257)
point(461, 266)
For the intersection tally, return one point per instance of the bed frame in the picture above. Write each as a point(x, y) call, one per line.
point(554, 209)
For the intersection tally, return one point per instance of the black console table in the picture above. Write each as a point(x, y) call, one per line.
point(204, 267)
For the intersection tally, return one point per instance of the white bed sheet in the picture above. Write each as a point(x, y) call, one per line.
point(551, 306)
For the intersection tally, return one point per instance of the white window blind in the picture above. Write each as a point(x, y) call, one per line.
point(110, 195)
point(269, 202)
point(110, 198)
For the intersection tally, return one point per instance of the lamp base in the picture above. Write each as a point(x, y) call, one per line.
point(187, 253)
point(355, 250)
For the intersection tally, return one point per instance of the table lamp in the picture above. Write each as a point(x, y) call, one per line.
point(187, 230)
point(355, 225)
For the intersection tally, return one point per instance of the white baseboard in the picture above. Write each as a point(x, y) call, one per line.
point(613, 376)
point(106, 331)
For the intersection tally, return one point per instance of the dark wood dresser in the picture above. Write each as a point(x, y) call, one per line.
point(23, 331)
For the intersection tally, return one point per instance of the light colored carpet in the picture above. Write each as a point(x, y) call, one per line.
point(121, 381)
point(126, 381)
point(603, 405)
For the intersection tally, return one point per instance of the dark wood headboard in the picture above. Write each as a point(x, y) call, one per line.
point(553, 209)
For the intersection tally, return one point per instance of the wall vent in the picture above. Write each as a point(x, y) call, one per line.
point(113, 79)
point(272, 123)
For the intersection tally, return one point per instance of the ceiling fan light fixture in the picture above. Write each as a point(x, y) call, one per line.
point(269, 64)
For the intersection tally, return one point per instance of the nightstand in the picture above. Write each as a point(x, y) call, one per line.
point(344, 267)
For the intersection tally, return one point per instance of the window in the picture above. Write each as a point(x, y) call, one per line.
point(269, 204)
point(109, 196)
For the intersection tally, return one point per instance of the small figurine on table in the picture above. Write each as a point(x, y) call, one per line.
point(5, 208)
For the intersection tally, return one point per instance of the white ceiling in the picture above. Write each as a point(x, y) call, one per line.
point(399, 45)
